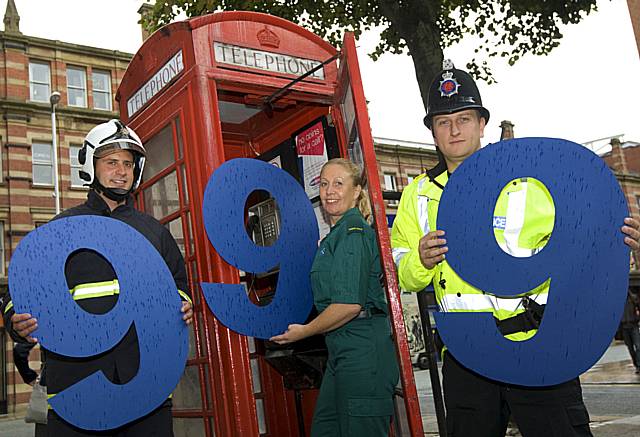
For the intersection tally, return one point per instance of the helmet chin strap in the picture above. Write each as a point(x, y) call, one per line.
point(115, 194)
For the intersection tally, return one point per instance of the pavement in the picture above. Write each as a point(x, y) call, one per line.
point(613, 368)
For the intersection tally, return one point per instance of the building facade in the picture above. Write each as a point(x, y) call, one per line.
point(31, 69)
point(624, 160)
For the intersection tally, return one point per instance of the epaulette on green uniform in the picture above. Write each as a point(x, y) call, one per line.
point(354, 223)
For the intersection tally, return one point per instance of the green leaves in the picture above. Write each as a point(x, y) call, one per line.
point(423, 28)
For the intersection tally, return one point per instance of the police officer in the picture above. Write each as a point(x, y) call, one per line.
point(477, 406)
point(356, 396)
point(112, 159)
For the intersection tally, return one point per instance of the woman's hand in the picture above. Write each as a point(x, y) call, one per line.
point(293, 333)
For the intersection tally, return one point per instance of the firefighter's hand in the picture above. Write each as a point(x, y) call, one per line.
point(293, 333)
point(24, 325)
point(187, 311)
point(632, 237)
point(432, 249)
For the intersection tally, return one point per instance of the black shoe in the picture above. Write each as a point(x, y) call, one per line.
point(637, 370)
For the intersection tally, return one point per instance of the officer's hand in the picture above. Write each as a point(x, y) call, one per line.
point(24, 325)
point(187, 311)
point(630, 228)
point(293, 333)
point(432, 249)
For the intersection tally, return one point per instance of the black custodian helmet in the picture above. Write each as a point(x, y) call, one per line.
point(453, 90)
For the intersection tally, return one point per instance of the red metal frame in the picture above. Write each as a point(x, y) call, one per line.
point(352, 69)
point(190, 102)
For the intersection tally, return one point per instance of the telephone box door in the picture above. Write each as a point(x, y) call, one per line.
point(355, 129)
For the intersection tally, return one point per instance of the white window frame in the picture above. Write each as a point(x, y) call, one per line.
point(101, 91)
point(35, 162)
point(390, 185)
point(75, 166)
point(32, 82)
point(83, 72)
point(390, 182)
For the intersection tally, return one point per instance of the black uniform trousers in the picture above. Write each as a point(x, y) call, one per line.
point(21, 360)
point(480, 407)
point(158, 423)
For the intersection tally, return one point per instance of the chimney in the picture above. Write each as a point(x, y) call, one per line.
point(12, 19)
point(145, 11)
point(507, 130)
point(619, 162)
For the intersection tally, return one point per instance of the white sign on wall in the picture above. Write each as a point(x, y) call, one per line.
point(153, 86)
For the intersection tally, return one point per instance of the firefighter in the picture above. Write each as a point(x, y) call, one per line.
point(356, 395)
point(112, 159)
point(477, 406)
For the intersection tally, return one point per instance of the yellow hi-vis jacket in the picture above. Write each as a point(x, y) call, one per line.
point(523, 221)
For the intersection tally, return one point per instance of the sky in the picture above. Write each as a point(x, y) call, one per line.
point(586, 89)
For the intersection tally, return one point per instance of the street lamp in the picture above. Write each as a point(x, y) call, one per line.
point(54, 99)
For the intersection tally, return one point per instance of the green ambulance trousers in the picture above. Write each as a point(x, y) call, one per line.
point(356, 395)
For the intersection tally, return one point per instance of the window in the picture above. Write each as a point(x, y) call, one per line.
point(39, 81)
point(76, 87)
point(390, 185)
point(101, 90)
point(42, 163)
point(75, 166)
point(389, 182)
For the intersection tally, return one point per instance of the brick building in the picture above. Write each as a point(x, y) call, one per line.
point(31, 69)
point(624, 161)
point(399, 162)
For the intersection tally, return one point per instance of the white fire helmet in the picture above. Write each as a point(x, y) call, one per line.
point(106, 138)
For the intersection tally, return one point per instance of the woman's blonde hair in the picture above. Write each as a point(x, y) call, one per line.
point(362, 202)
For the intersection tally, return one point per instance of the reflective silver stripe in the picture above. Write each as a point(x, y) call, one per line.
point(484, 302)
point(398, 253)
point(422, 205)
point(421, 183)
point(517, 201)
point(423, 214)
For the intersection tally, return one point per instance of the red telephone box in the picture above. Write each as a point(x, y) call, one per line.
point(242, 84)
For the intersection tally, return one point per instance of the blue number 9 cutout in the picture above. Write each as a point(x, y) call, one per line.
point(293, 252)
point(148, 299)
point(586, 259)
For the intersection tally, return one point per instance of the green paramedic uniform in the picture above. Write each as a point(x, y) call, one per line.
point(356, 396)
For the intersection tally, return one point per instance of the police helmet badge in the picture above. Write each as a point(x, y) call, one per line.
point(448, 85)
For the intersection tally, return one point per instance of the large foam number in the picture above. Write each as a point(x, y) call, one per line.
point(223, 211)
point(585, 258)
point(148, 300)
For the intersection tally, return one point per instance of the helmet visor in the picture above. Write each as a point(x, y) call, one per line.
point(110, 148)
